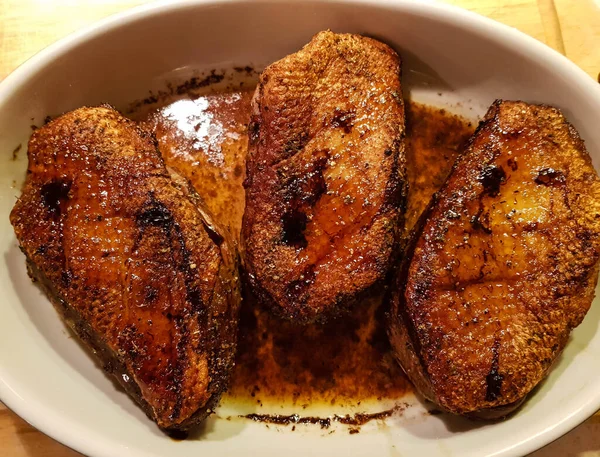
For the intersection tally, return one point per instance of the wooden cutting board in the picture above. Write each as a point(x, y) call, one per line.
point(572, 27)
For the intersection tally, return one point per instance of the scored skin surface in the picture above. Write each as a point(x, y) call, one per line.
point(503, 265)
point(326, 180)
point(131, 261)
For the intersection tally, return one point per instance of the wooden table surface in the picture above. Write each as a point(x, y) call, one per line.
point(572, 27)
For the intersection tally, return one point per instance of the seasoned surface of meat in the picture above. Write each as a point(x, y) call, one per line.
point(131, 261)
point(326, 185)
point(502, 266)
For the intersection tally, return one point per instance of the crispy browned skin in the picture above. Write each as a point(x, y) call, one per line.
point(502, 266)
point(325, 187)
point(134, 266)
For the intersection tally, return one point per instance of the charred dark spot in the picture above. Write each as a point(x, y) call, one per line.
point(296, 289)
point(178, 435)
point(295, 144)
point(512, 163)
point(66, 277)
point(494, 378)
point(302, 191)
point(248, 69)
point(42, 249)
point(195, 299)
point(15, 153)
point(151, 294)
point(481, 221)
point(213, 234)
point(253, 130)
point(156, 215)
point(343, 119)
point(294, 223)
point(197, 82)
point(550, 177)
point(491, 178)
point(54, 193)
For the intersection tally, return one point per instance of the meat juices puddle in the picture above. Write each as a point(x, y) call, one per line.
point(342, 371)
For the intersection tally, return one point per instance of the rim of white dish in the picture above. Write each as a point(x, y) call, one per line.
point(78, 437)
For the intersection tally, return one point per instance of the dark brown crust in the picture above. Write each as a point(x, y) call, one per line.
point(326, 180)
point(131, 261)
point(486, 297)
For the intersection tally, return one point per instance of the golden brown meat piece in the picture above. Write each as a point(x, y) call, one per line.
point(502, 266)
point(325, 186)
point(132, 264)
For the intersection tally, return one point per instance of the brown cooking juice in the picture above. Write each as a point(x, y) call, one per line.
point(343, 365)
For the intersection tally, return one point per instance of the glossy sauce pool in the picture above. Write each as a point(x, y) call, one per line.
point(346, 365)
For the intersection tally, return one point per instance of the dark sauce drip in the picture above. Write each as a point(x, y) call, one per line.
point(15, 153)
point(323, 422)
point(357, 419)
point(346, 362)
